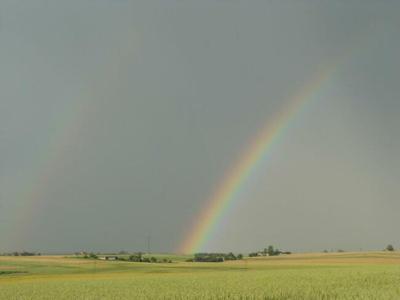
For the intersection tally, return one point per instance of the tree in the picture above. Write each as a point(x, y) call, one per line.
point(230, 256)
point(136, 257)
point(389, 247)
point(210, 257)
point(271, 251)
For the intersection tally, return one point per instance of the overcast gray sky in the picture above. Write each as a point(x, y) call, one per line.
point(119, 118)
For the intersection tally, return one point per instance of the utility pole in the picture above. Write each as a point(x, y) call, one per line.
point(148, 244)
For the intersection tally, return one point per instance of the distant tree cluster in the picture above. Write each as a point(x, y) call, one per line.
point(215, 257)
point(23, 253)
point(92, 256)
point(270, 251)
point(135, 257)
point(138, 257)
point(389, 247)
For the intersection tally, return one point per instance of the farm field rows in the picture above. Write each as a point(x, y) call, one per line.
point(369, 275)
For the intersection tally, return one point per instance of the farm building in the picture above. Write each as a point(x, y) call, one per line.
point(109, 258)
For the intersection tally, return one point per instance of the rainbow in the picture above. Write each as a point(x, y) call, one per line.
point(57, 151)
point(230, 185)
point(52, 160)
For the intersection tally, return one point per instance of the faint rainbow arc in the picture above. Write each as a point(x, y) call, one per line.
point(55, 153)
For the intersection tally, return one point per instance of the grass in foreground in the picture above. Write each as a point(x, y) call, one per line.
point(374, 275)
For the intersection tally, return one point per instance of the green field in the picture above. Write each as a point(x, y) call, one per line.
point(372, 275)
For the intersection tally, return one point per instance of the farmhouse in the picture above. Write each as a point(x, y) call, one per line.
point(109, 258)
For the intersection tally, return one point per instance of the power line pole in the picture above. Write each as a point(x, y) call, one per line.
point(148, 244)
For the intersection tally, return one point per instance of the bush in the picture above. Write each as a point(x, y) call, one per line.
point(136, 257)
point(270, 251)
point(208, 257)
point(273, 252)
point(90, 256)
point(229, 256)
point(389, 248)
point(214, 257)
point(25, 253)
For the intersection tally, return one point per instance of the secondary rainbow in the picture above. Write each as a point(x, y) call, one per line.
point(230, 185)
point(56, 152)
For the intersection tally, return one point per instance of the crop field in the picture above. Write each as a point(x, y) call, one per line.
point(370, 275)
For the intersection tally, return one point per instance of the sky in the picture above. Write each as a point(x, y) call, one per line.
point(119, 118)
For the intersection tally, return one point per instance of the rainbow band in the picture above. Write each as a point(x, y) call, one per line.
point(232, 182)
point(56, 152)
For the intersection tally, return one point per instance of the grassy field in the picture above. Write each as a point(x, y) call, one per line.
point(372, 275)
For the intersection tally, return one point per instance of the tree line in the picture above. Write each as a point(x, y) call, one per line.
point(215, 257)
point(23, 253)
point(135, 257)
point(269, 251)
point(138, 257)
